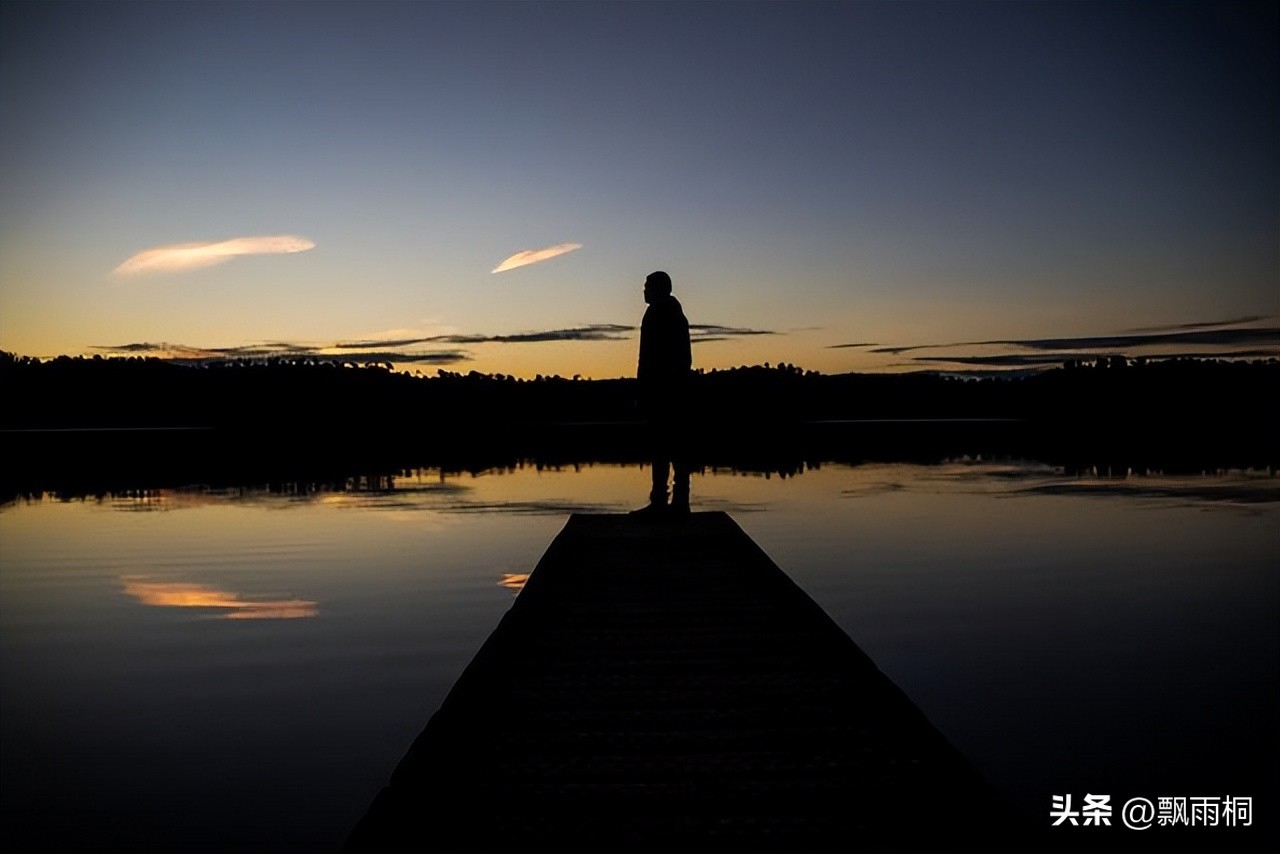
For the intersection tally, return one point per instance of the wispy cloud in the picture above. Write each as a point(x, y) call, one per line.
point(395, 357)
point(397, 350)
point(590, 332)
point(1010, 360)
point(1209, 324)
point(893, 351)
point(366, 353)
point(189, 256)
point(846, 346)
point(716, 332)
point(597, 332)
point(1222, 337)
point(533, 256)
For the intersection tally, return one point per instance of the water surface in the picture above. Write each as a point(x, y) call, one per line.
point(241, 669)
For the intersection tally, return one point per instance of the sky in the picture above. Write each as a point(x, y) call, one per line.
point(840, 186)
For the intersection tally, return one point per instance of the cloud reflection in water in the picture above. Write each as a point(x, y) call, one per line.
point(185, 594)
point(514, 581)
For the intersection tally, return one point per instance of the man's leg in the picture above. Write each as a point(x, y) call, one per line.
point(680, 443)
point(680, 488)
point(661, 465)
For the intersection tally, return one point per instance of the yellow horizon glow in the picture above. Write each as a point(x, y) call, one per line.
point(182, 594)
point(191, 256)
point(534, 256)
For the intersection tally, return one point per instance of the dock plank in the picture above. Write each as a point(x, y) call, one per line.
point(665, 683)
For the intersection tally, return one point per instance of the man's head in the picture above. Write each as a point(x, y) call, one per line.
point(657, 285)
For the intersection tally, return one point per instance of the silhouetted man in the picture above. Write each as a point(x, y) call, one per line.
point(663, 374)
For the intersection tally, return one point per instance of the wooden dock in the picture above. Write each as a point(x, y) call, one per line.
point(664, 683)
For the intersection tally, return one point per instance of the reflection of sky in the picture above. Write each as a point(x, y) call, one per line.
point(514, 581)
point(231, 606)
point(900, 173)
point(1224, 489)
point(1040, 627)
point(603, 488)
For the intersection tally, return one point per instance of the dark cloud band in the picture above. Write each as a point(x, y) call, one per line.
point(282, 350)
point(1255, 336)
point(713, 331)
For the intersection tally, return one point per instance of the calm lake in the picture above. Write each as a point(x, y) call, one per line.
point(241, 670)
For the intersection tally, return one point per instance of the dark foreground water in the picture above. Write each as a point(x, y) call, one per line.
point(241, 670)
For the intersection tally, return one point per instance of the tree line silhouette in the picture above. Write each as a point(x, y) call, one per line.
point(96, 392)
point(285, 417)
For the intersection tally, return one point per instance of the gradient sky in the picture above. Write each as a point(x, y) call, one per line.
point(984, 176)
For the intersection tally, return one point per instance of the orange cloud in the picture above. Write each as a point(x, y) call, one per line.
point(180, 594)
point(533, 256)
point(190, 256)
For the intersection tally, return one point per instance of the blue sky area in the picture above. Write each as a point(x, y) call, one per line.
point(829, 185)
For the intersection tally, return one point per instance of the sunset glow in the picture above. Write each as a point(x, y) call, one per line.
point(839, 216)
point(183, 594)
